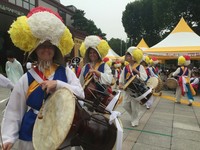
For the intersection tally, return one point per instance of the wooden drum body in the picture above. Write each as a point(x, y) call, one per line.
point(100, 96)
point(138, 90)
point(155, 83)
point(172, 83)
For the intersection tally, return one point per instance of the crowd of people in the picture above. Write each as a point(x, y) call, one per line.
point(46, 48)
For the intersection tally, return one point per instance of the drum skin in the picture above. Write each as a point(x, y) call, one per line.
point(172, 83)
point(51, 131)
point(155, 83)
point(152, 82)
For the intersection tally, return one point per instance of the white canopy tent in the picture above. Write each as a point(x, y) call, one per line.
point(142, 44)
point(182, 40)
point(112, 55)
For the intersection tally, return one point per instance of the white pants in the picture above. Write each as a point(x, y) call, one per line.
point(150, 101)
point(135, 110)
point(178, 94)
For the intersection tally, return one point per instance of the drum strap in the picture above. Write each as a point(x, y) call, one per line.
point(36, 76)
point(128, 72)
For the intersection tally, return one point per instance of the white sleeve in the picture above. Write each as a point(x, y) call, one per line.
point(174, 74)
point(152, 74)
point(5, 82)
point(106, 77)
point(73, 83)
point(143, 74)
point(121, 77)
point(196, 81)
point(14, 112)
point(81, 77)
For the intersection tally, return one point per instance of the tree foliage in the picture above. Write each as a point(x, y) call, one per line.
point(83, 24)
point(150, 19)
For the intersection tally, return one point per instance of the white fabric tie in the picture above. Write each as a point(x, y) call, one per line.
point(113, 102)
point(113, 117)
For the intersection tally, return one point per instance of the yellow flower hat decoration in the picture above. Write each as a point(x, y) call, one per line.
point(93, 41)
point(21, 35)
point(181, 60)
point(137, 55)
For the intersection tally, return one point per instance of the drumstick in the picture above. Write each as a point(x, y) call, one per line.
point(101, 106)
point(1, 139)
point(40, 114)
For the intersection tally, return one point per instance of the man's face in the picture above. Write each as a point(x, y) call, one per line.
point(10, 59)
point(45, 51)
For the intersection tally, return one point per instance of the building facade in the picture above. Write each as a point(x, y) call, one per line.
point(11, 9)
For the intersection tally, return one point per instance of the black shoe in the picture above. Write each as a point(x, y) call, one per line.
point(190, 104)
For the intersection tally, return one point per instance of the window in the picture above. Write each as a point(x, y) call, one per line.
point(27, 4)
point(19, 3)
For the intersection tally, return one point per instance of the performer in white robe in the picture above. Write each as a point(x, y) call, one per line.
point(151, 72)
point(50, 75)
point(14, 69)
point(94, 65)
point(130, 103)
point(183, 77)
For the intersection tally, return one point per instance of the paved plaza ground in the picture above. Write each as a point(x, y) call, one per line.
point(166, 126)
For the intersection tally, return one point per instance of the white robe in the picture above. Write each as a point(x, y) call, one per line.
point(132, 106)
point(5, 82)
point(105, 78)
point(14, 70)
point(17, 104)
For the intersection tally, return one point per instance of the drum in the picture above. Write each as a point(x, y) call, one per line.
point(138, 90)
point(159, 86)
point(172, 83)
point(152, 82)
point(65, 123)
point(99, 96)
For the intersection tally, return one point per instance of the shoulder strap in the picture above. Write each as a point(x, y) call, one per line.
point(185, 69)
point(35, 75)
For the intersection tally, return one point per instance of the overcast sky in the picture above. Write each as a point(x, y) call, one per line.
point(106, 14)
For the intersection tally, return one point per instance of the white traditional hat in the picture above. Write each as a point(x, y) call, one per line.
point(96, 43)
point(136, 53)
point(40, 25)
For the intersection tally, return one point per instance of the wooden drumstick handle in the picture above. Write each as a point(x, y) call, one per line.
point(40, 114)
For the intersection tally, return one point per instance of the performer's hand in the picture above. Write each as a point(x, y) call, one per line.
point(49, 86)
point(135, 70)
point(96, 72)
point(120, 86)
point(7, 146)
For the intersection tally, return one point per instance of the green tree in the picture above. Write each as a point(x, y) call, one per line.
point(119, 46)
point(151, 19)
point(79, 21)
